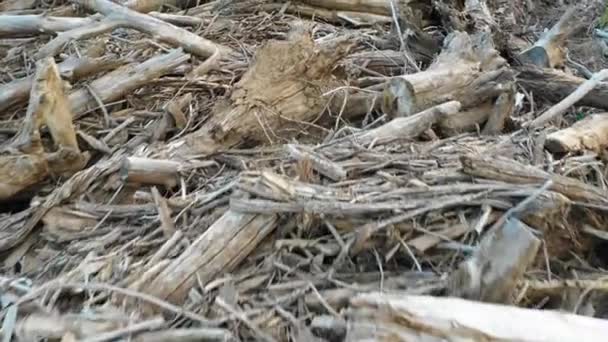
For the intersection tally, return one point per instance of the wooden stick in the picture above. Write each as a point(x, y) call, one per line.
point(559, 109)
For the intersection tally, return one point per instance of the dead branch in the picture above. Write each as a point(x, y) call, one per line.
point(559, 109)
point(555, 85)
point(161, 30)
point(26, 25)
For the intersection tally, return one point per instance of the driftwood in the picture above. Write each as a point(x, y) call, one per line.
point(381, 317)
point(590, 134)
point(112, 85)
point(468, 70)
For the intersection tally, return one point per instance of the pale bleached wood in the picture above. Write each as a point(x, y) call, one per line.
point(150, 171)
point(217, 251)
point(161, 30)
point(26, 25)
point(114, 85)
point(590, 134)
point(402, 317)
point(73, 69)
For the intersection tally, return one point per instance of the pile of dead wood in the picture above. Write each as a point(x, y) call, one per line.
point(299, 171)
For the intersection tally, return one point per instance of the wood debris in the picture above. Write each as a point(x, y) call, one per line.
point(265, 170)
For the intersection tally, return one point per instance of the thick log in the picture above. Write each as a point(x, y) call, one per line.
point(329, 15)
point(402, 317)
point(217, 251)
point(548, 51)
point(408, 127)
point(498, 263)
point(590, 133)
point(323, 165)
point(555, 85)
point(14, 26)
point(502, 110)
point(468, 70)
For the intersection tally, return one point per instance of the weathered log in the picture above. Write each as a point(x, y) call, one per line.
point(548, 51)
point(323, 165)
point(73, 69)
point(590, 133)
point(150, 171)
point(506, 170)
point(499, 261)
point(27, 25)
point(217, 251)
point(382, 317)
point(113, 85)
point(555, 85)
point(408, 127)
point(502, 110)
